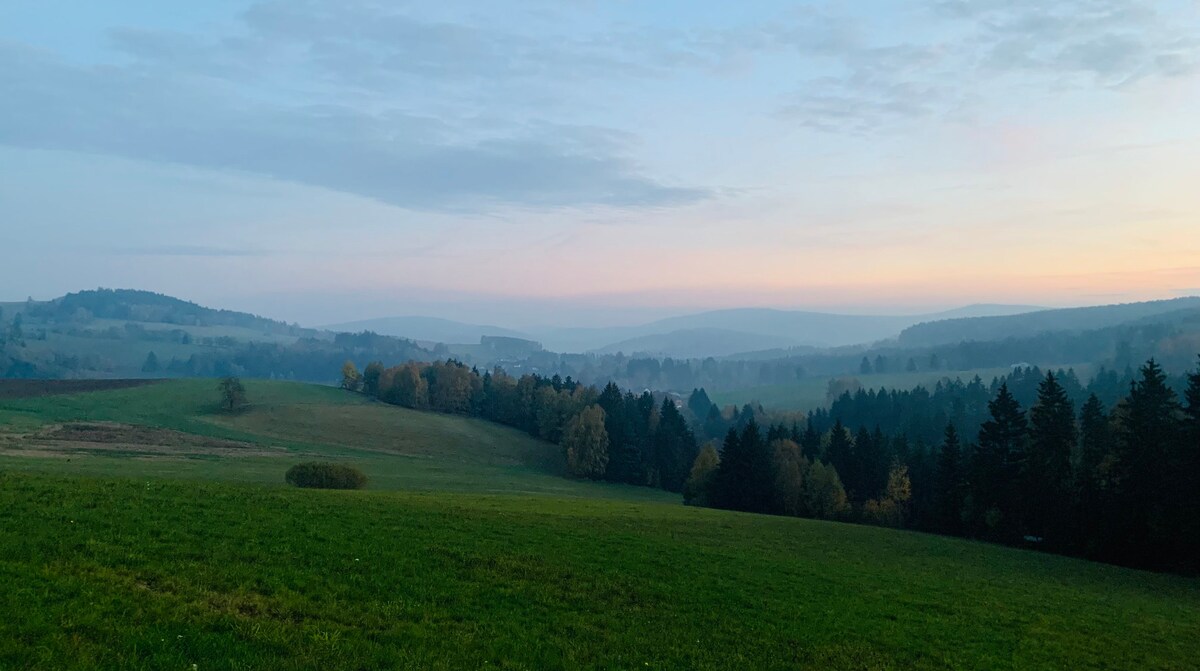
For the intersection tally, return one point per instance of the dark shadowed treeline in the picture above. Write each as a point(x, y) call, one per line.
point(1117, 482)
point(605, 434)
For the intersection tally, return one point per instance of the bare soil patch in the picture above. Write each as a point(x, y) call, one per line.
point(111, 437)
point(32, 388)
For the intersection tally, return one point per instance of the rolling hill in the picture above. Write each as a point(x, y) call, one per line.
point(427, 329)
point(145, 528)
point(1000, 327)
point(714, 333)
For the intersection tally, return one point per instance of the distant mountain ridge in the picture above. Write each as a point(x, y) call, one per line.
point(987, 328)
point(713, 333)
point(147, 306)
point(762, 328)
point(429, 329)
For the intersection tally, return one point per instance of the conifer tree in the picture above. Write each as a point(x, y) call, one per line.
point(1148, 432)
point(839, 452)
point(1092, 479)
point(950, 483)
point(1052, 438)
point(999, 465)
point(674, 447)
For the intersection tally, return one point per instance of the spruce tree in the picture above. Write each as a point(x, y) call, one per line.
point(1148, 432)
point(699, 403)
point(1048, 467)
point(810, 442)
point(839, 452)
point(1092, 481)
point(999, 464)
point(1188, 486)
point(674, 447)
point(949, 480)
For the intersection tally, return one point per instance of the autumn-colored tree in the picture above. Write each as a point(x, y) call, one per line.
point(351, 380)
point(586, 443)
point(695, 490)
point(891, 509)
point(371, 377)
point(450, 386)
point(823, 492)
point(404, 385)
point(790, 467)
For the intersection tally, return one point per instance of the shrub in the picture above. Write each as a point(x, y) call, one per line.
point(325, 475)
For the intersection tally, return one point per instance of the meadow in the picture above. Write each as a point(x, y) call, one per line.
point(184, 549)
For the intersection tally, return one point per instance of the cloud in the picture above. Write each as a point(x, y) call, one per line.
point(982, 47)
point(343, 97)
point(189, 250)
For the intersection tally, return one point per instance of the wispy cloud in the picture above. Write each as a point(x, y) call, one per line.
point(346, 97)
point(189, 250)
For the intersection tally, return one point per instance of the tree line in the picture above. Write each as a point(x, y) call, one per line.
point(606, 434)
point(1117, 482)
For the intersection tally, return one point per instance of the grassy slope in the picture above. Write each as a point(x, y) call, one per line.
point(149, 572)
point(121, 573)
point(398, 448)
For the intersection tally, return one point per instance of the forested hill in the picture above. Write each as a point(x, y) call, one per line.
point(949, 331)
point(147, 306)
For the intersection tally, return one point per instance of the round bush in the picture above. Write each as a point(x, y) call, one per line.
point(325, 475)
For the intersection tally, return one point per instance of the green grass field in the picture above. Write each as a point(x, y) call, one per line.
point(181, 548)
point(287, 423)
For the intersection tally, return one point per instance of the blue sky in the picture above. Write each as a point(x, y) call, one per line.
point(540, 162)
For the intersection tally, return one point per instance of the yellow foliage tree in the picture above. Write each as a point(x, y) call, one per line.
point(586, 443)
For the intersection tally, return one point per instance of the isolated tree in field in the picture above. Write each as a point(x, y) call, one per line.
point(700, 479)
point(912, 365)
point(351, 380)
point(233, 394)
point(865, 366)
point(1052, 437)
point(586, 444)
point(151, 363)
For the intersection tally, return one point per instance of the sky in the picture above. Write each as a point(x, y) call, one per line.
point(588, 162)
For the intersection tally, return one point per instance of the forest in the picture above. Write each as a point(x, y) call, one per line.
point(1034, 459)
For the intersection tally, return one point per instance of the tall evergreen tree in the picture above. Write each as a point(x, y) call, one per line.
point(810, 442)
point(1048, 468)
point(674, 447)
point(999, 464)
point(1149, 429)
point(699, 403)
point(950, 482)
point(1091, 477)
point(1188, 483)
point(839, 452)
